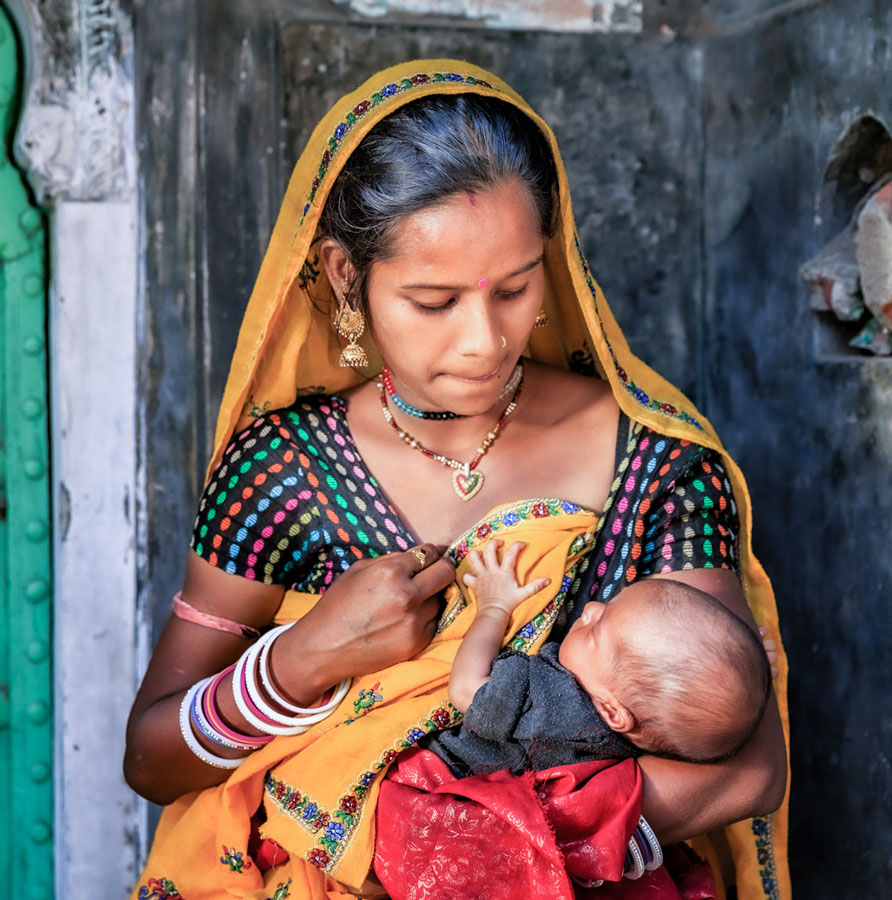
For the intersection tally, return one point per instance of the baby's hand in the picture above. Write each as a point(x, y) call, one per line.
point(495, 583)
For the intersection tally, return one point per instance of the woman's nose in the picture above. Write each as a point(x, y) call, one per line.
point(479, 331)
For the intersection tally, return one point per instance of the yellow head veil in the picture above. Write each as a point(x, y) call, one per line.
point(287, 346)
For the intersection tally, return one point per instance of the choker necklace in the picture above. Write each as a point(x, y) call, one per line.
point(466, 479)
point(407, 408)
point(417, 413)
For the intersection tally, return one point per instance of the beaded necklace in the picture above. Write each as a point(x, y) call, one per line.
point(407, 408)
point(417, 413)
point(467, 480)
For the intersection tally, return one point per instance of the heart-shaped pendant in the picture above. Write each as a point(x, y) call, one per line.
point(466, 486)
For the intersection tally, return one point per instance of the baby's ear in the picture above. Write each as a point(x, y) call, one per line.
point(614, 712)
point(592, 611)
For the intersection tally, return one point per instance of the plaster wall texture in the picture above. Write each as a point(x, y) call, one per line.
point(96, 614)
point(547, 15)
point(695, 150)
point(814, 434)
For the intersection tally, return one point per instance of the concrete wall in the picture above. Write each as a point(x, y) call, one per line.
point(695, 139)
point(814, 435)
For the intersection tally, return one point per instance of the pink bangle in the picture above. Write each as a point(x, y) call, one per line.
point(184, 610)
point(209, 707)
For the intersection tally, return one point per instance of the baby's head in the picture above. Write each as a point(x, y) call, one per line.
point(672, 668)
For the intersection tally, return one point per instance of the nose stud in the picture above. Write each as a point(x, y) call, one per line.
point(504, 342)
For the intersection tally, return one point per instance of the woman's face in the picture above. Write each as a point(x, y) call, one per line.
point(451, 312)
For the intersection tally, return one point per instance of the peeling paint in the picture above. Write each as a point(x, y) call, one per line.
point(541, 15)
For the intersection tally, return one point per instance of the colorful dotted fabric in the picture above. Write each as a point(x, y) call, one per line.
point(292, 503)
point(670, 508)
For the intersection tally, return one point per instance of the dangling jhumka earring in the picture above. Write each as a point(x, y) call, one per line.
point(350, 324)
point(542, 319)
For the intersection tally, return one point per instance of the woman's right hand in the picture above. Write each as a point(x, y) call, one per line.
point(379, 612)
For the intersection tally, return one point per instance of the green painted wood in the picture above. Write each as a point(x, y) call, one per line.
point(26, 702)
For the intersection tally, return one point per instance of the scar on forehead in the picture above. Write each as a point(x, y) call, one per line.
point(472, 197)
point(483, 282)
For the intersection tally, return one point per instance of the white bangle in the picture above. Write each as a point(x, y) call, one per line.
point(275, 723)
point(637, 869)
point(656, 849)
point(238, 677)
point(205, 756)
point(317, 712)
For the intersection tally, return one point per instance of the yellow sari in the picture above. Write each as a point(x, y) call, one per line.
point(319, 788)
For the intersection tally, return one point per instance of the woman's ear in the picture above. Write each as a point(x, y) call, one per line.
point(614, 712)
point(337, 266)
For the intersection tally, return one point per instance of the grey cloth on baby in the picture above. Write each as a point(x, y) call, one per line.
point(531, 715)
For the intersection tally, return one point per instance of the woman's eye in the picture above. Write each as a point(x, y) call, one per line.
point(510, 295)
point(440, 307)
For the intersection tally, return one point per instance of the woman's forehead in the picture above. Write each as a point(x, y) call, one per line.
point(490, 233)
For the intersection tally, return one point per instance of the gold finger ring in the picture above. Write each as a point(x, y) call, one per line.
point(419, 554)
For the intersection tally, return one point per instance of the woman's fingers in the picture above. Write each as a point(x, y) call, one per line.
point(418, 558)
point(770, 650)
point(434, 578)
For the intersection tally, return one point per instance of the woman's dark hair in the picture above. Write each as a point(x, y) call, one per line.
point(428, 150)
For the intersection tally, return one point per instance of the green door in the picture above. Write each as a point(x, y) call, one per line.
point(26, 702)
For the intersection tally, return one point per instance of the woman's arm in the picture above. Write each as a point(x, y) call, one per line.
point(377, 613)
point(682, 800)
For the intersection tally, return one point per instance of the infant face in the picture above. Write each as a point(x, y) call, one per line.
point(592, 646)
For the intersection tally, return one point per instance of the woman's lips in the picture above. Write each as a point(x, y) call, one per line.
point(479, 379)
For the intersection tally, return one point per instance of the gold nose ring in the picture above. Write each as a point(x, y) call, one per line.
point(504, 342)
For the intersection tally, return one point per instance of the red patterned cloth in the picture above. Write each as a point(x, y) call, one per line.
point(537, 835)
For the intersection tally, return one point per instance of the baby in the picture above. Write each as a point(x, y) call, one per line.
point(663, 669)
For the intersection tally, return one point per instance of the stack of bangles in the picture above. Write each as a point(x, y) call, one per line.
point(644, 853)
point(260, 704)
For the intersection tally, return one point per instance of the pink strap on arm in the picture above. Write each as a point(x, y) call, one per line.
point(183, 610)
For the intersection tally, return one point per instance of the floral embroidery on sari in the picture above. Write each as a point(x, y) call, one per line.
point(334, 828)
point(377, 97)
point(364, 703)
point(158, 889)
point(283, 889)
point(237, 861)
point(761, 826)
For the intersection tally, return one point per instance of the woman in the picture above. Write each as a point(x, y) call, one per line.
point(446, 223)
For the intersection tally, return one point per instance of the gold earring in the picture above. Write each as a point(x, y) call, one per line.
point(350, 324)
point(542, 319)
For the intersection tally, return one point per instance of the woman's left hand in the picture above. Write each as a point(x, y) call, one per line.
point(770, 650)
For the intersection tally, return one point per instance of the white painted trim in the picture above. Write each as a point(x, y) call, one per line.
point(100, 823)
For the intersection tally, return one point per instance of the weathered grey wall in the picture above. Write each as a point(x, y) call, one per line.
point(814, 436)
point(695, 150)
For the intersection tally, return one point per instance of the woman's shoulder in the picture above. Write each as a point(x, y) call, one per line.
point(309, 424)
point(564, 395)
point(266, 488)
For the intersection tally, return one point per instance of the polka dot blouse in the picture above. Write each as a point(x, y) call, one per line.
point(292, 503)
